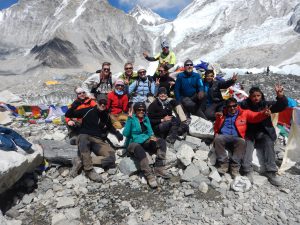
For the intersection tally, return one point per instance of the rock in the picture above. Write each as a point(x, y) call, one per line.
point(214, 175)
point(282, 216)
point(126, 204)
point(259, 180)
point(57, 217)
point(241, 184)
point(27, 199)
point(197, 180)
point(12, 213)
point(203, 187)
point(14, 222)
point(2, 219)
point(171, 158)
point(58, 136)
point(212, 157)
point(73, 213)
point(147, 215)
point(185, 154)
point(227, 212)
point(202, 166)
point(190, 172)
point(201, 155)
point(99, 170)
point(201, 128)
point(65, 202)
point(189, 192)
point(127, 166)
point(14, 164)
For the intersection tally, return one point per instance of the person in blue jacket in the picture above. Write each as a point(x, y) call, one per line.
point(189, 90)
point(140, 139)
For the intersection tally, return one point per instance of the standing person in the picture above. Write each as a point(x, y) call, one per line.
point(92, 137)
point(73, 124)
point(165, 80)
point(140, 139)
point(212, 89)
point(230, 129)
point(166, 57)
point(164, 124)
point(189, 90)
point(263, 135)
point(117, 104)
point(99, 83)
point(143, 88)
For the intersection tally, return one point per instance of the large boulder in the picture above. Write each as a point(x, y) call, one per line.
point(13, 164)
point(185, 154)
point(201, 128)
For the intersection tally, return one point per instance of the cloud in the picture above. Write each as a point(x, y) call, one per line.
point(157, 4)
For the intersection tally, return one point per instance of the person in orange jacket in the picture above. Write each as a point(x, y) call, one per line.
point(73, 123)
point(230, 130)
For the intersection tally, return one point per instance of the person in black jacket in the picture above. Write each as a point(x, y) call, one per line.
point(213, 95)
point(92, 137)
point(164, 124)
point(165, 80)
point(262, 136)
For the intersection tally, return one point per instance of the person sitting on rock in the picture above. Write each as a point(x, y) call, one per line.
point(230, 129)
point(213, 95)
point(189, 90)
point(164, 124)
point(129, 76)
point(117, 105)
point(262, 136)
point(140, 139)
point(73, 124)
point(92, 137)
point(166, 57)
point(144, 88)
point(165, 80)
point(99, 83)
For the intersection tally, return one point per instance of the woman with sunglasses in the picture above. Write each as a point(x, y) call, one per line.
point(140, 139)
point(73, 124)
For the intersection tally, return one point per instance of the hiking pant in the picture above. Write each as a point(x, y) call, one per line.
point(88, 144)
point(139, 152)
point(211, 110)
point(194, 106)
point(232, 143)
point(118, 120)
point(266, 154)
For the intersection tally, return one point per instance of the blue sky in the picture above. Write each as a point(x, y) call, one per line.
point(166, 8)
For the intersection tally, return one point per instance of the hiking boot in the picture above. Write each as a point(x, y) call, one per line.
point(92, 175)
point(273, 178)
point(223, 168)
point(151, 179)
point(162, 172)
point(234, 171)
point(171, 139)
point(76, 167)
point(249, 175)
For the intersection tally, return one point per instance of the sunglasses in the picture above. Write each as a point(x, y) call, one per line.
point(188, 65)
point(119, 85)
point(79, 93)
point(102, 103)
point(232, 106)
point(161, 71)
point(142, 72)
point(106, 69)
point(141, 110)
point(129, 68)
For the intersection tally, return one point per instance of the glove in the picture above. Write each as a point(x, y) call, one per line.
point(119, 136)
point(75, 104)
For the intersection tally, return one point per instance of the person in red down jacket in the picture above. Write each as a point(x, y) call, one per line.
point(117, 104)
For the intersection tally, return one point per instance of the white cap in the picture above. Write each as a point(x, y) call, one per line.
point(141, 68)
point(79, 89)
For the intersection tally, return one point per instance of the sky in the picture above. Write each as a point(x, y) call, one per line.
point(168, 9)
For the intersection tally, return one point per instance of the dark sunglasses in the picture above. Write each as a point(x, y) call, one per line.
point(119, 85)
point(129, 68)
point(79, 93)
point(161, 71)
point(142, 72)
point(102, 103)
point(188, 65)
point(106, 69)
point(141, 110)
point(232, 106)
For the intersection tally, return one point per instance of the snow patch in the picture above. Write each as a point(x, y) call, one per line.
point(79, 11)
point(61, 7)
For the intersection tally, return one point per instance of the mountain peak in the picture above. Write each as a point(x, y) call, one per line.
point(146, 16)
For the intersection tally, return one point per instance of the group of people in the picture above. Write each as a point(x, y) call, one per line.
point(155, 109)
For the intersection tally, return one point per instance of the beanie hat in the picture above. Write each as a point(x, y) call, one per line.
point(188, 62)
point(101, 98)
point(164, 44)
point(79, 90)
point(119, 82)
point(141, 68)
point(162, 90)
point(139, 105)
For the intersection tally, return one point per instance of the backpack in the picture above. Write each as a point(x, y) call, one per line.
point(95, 90)
point(150, 80)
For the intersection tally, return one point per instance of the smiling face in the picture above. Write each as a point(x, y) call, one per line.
point(105, 70)
point(162, 72)
point(255, 97)
point(232, 108)
point(142, 73)
point(101, 105)
point(128, 69)
point(81, 95)
point(189, 67)
point(140, 112)
point(209, 77)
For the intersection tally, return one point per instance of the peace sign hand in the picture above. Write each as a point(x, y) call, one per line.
point(157, 81)
point(279, 90)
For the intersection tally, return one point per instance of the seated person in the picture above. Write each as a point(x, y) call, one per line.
point(263, 135)
point(213, 95)
point(128, 76)
point(73, 124)
point(164, 124)
point(230, 129)
point(165, 80)
point(92, 137)
point(140, 139)
point(189, 90)
point(117, 105)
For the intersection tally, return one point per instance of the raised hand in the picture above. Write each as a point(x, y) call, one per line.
point(234, 77)
point(71, 123)
point(167, 118)
point(219, 114)
point(279, 90)
point(157, 81)
point(267, 110)
point(126, 81)
point(145, 54)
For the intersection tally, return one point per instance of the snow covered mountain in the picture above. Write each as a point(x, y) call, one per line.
point(67, 34)
point(146, 16)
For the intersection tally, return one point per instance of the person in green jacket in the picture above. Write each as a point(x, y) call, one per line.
point(166, 58)
point(140, 139)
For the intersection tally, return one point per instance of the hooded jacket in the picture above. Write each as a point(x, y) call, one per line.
point(117, 103)
point(157, 111)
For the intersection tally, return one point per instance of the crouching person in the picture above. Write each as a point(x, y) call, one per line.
point(230, 129)
point(140, 139)
point(164, 124)
point(92, 137)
